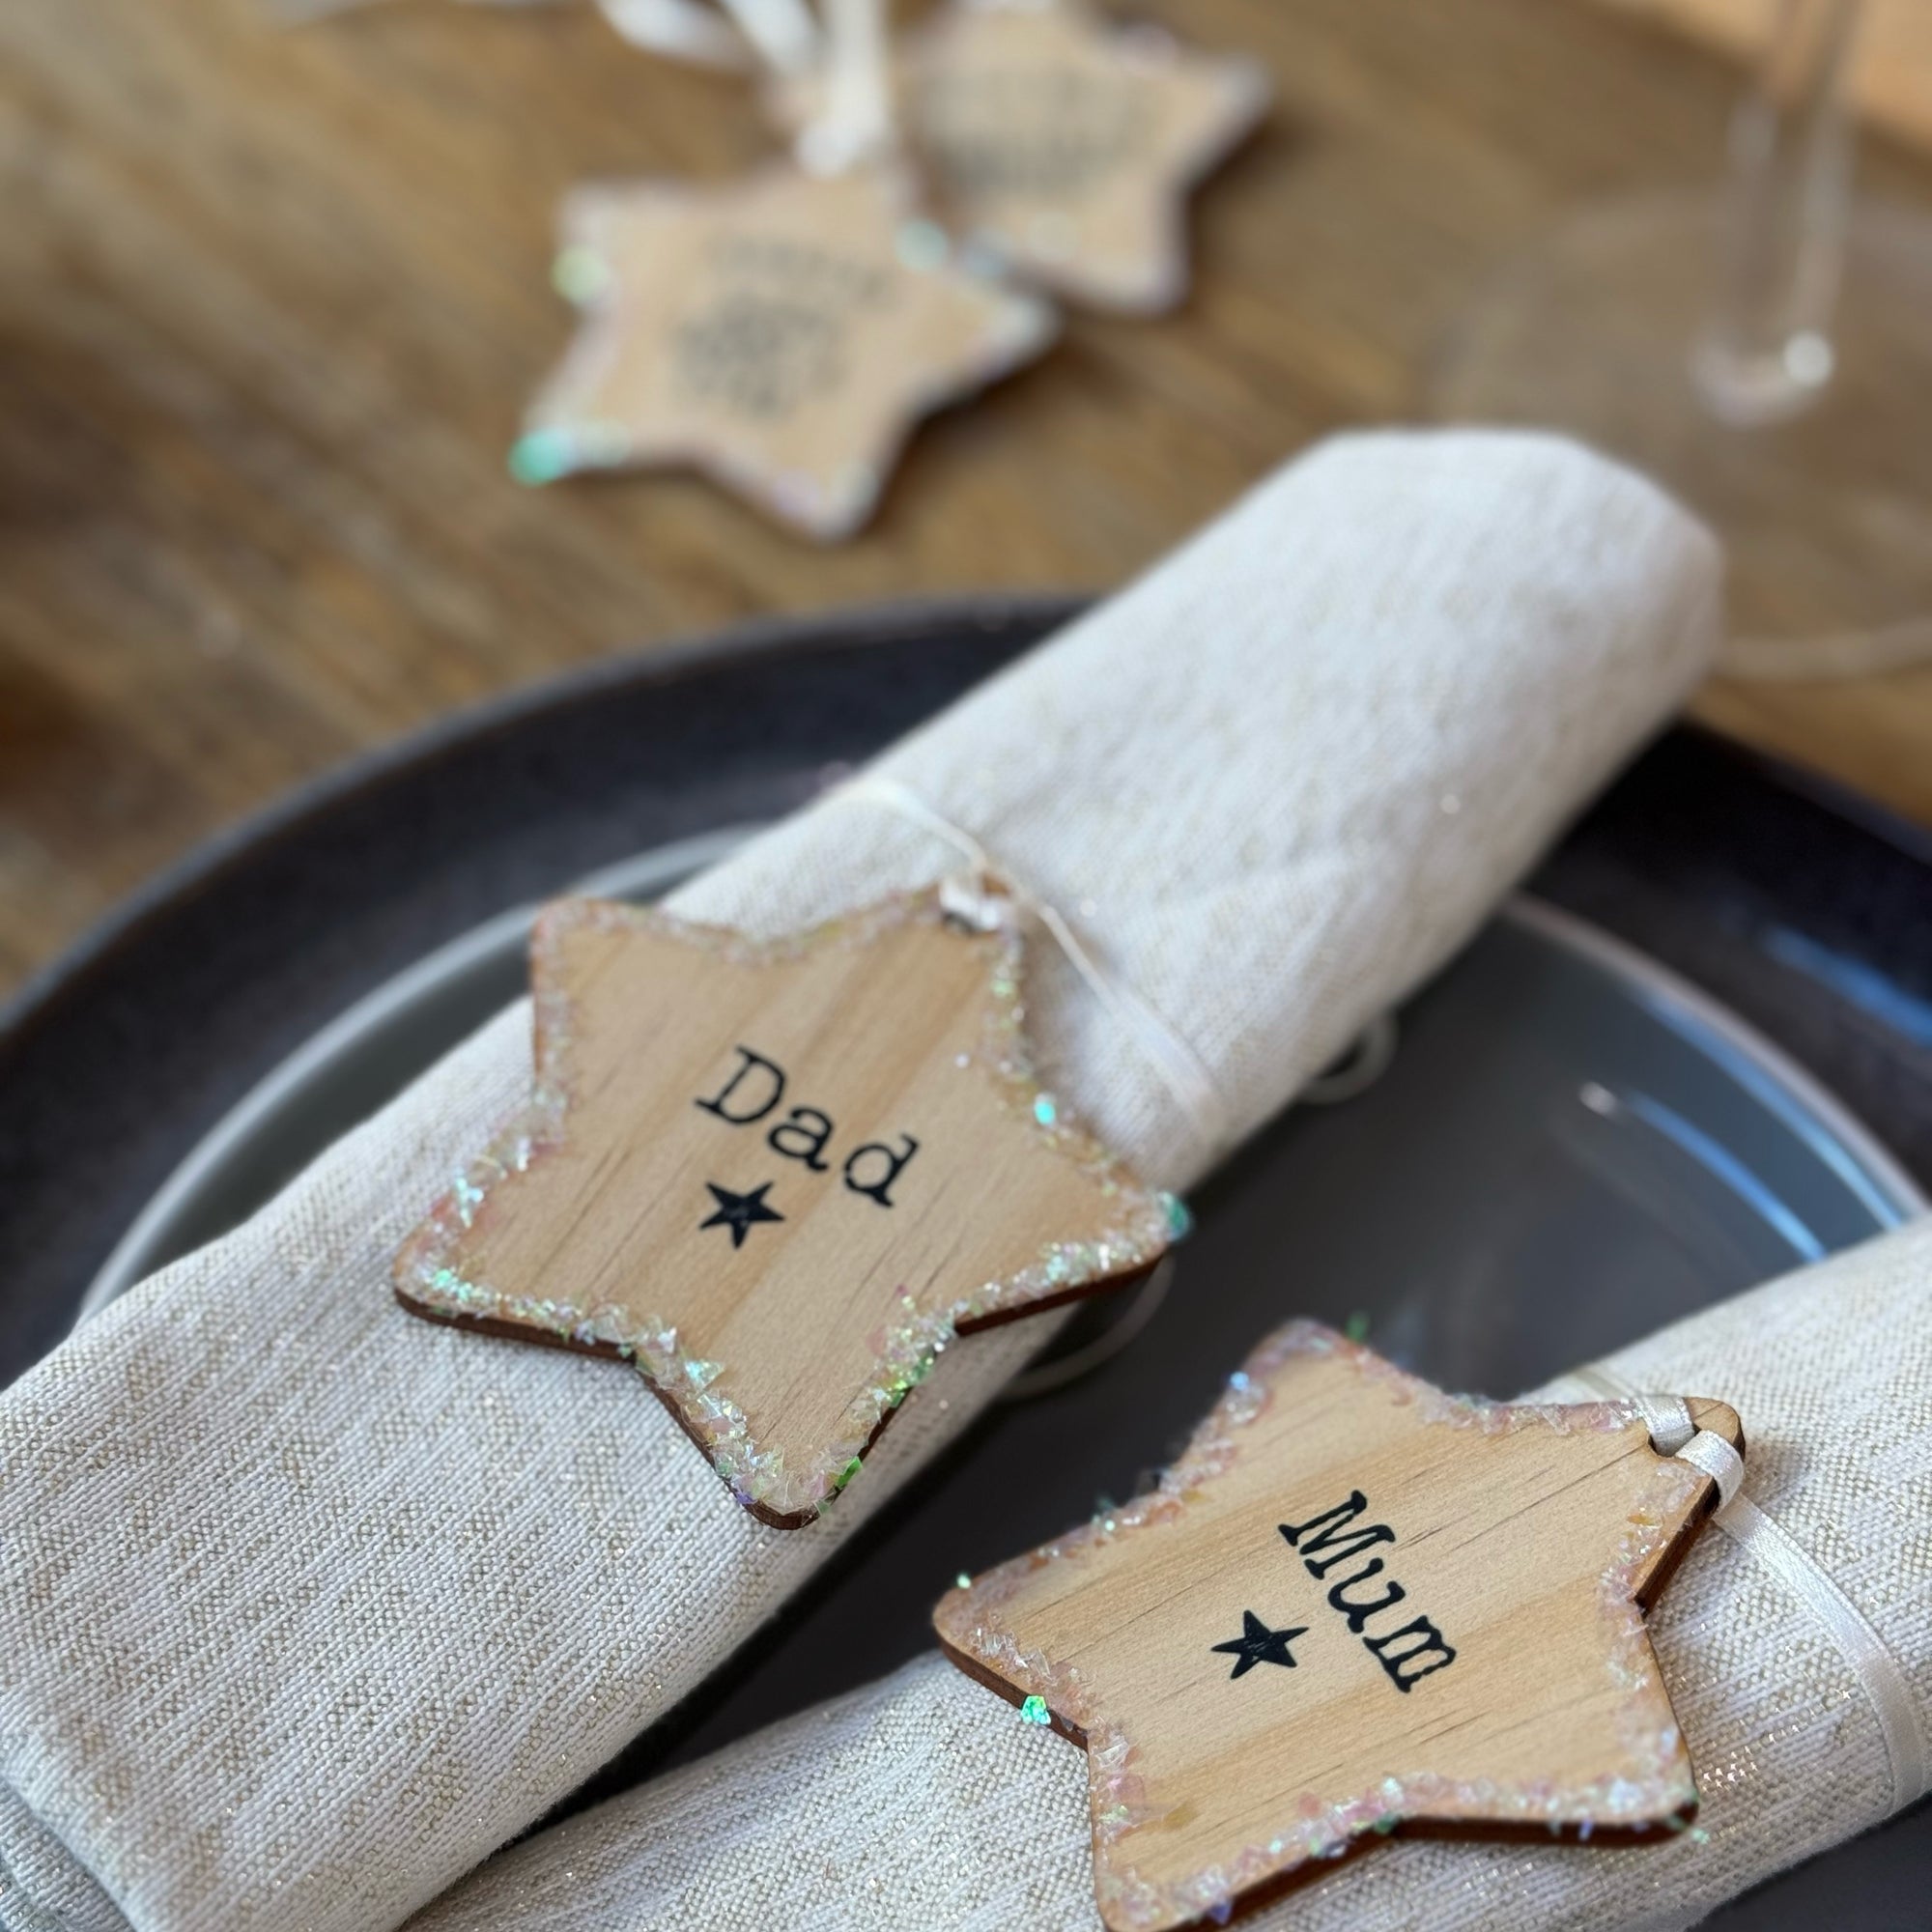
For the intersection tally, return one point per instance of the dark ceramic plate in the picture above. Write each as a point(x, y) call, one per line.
point(1571, 1147)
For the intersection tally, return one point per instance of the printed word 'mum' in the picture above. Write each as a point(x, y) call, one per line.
point(1408, 1652)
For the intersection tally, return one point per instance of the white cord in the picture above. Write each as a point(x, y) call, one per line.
point(843, 64)
point(1771, 1545)
point(855, 121)
point(1171, 1059)
point(1719, 1460)
point(680, 29)
point(783, 33)
point(1368, 1059)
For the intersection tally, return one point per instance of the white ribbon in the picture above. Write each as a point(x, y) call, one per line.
point(1771, 1545)
point(844, 65)
point(853, 121)
point(1173, 1062)
point(681, 29)
point(1714, 1456)
point(783, 33)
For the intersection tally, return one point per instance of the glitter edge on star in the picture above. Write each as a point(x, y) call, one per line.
point(905, 1351)
point(968, 1620)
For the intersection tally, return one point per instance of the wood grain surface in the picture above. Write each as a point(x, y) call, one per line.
point(778, 1180)
point(1504, 1684)
point(271, 301)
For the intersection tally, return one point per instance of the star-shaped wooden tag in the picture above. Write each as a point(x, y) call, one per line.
point(778, 1177)
point(1067, 148)
point(1433, 1611)
point(782, 334)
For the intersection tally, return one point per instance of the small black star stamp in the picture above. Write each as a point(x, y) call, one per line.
point(737, 1211)
point(1256, 1643)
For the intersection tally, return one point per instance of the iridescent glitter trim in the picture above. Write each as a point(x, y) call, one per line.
point(972, 1622)
point(699, 1389)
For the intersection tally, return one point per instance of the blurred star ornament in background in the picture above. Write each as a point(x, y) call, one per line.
point(1065, 147)
point(782, 334)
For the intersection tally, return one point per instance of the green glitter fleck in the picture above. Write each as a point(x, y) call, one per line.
point(846, 1474)
point(1034, 1712)
point(1044, 1111)
point(580, 274)
point(542, 456)
point(1179, 1222)
point(1357, 1328)
point(921, 245)
point(963, 1581)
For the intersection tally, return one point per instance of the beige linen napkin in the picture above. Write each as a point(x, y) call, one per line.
point(921, 1804)
point(306, 1606)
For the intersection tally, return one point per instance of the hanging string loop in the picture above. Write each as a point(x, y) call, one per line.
point(975, 896)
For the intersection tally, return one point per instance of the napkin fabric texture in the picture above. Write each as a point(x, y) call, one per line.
point(920, 1804)
point(306, 1604)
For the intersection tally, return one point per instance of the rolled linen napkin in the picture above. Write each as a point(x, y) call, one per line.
point(305, 1606)
point(919, 1802)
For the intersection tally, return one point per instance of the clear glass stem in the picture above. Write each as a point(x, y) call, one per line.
point(1765, 351)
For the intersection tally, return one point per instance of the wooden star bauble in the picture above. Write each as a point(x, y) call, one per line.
point(778, 1177)
point(782, 334)
point(1067, 148)
point(1456, 1588)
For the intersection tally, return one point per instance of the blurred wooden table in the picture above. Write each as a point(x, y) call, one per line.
point(271, 302)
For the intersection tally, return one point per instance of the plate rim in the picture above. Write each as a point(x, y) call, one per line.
point(839, 627)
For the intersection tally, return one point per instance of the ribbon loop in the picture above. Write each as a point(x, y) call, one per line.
point(1717, 1458)
point(1775, 1550)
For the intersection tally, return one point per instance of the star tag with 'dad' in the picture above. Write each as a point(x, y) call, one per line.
point(781, 334)
point(1435, 1609)
point(1067, 148)
point(778, 1177)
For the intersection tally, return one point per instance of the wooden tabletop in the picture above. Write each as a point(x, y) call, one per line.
point(274, 300)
